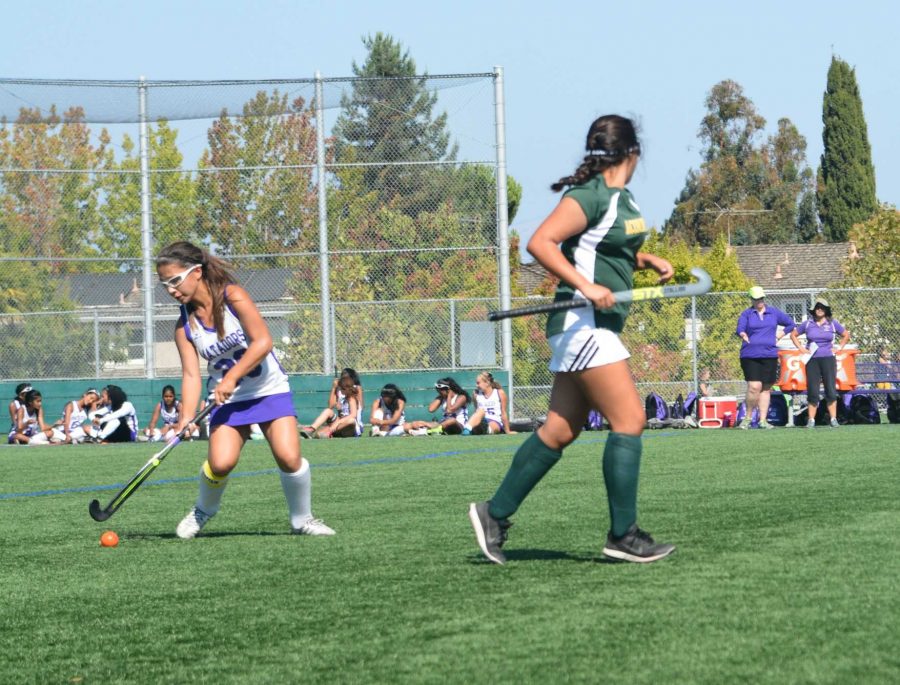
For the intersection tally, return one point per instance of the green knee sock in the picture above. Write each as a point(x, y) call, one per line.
point(531, 463)
point(621, 466)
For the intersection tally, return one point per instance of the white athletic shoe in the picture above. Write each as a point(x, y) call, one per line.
point(313, 527)
point(192, 524)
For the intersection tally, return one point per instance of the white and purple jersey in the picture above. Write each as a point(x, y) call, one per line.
point(267, 378)
point(344, 403)
point(461, 415)
point(491, 405)
point(169, 416)
point(13, 429)
point(387, 413)
point(78, 416)
point(32, 426)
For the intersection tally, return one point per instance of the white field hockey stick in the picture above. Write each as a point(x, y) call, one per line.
point(703, 285)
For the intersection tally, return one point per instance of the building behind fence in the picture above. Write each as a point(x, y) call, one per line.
point(366, 217)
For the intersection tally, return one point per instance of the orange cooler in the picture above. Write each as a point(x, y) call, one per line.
point(792, 376)
point(715, 410)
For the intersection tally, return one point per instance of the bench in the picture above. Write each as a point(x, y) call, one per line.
point(872, 374)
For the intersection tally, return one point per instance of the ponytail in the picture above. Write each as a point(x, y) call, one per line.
point(610, 141)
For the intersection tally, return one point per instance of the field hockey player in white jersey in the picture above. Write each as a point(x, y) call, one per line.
point(491, 415)
point(72, 428)
point(591, 242)
point(169, 410)
point(220, 322)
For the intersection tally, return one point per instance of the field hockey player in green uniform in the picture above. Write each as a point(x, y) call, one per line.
point(591, 241)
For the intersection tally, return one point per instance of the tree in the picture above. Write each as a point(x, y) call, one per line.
point(748, 190)
point(656, 331)
point(246, 203)
point(871, 280)
point(49, 203)
point(846, 183)
point(172, 197)
point(878, 246)
point(389, 123)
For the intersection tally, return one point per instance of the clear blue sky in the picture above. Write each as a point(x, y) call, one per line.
point(564, 64)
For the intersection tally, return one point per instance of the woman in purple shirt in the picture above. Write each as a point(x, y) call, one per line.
point(757, 327)
point(820, 330)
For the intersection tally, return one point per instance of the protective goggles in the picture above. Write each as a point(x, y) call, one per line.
point(178, 279)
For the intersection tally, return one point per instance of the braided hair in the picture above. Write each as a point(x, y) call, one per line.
point(610, 141)
point(215, 272)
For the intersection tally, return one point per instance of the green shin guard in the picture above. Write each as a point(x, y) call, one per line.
point(532, 462)
point(621, 467)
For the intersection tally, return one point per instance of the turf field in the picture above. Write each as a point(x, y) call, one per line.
point(786, 569)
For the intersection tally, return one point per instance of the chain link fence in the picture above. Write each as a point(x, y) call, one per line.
point(367, 217)
point(673, 341)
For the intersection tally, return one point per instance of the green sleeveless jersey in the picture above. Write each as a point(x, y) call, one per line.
point(605, 253)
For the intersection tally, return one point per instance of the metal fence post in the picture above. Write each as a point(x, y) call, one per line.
point(96, 344)
point(146, 234)
point(324, 276)
point(453, 334)
point(694, 346)
point(503, 233)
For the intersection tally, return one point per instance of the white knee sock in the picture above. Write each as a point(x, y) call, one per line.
point(297, 488)
point(211, 489)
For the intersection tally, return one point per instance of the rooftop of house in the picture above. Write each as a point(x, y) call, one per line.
point(810, 265)
point(124, 289)
point(806, 266)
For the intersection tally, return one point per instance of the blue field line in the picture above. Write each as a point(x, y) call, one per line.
point(267, 472)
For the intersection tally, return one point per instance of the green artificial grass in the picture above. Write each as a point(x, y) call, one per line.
point(786, 568)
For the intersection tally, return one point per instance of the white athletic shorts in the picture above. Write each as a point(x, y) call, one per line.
point(585, 348)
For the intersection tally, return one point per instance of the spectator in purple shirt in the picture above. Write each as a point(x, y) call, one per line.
point(821, 329)
point(757, 327)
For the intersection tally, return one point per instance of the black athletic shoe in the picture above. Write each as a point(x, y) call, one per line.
point(636, 545)
point(490, 532)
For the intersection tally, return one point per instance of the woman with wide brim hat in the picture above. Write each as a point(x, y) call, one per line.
point(757, 328)
point(820, 330)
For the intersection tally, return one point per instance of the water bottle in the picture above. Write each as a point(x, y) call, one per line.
point(726, 420)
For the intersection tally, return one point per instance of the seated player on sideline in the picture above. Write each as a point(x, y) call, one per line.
point(491, 415)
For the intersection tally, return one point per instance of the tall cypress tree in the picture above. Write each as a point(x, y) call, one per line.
point(846, 181)
point(388, 120)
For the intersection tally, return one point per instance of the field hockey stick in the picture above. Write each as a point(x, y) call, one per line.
point(99, 514)
point(658, 292)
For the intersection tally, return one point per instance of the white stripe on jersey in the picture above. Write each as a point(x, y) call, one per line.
point(267, 378)
point(585, 255)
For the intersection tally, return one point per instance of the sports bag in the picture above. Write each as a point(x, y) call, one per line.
point(657, 411)
point(778, 410)
point(893, 407)
point(594, 421)
point(677, 410)
point(691, 403)
point(742, 413)
point(656, 407)
point(864, 410)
